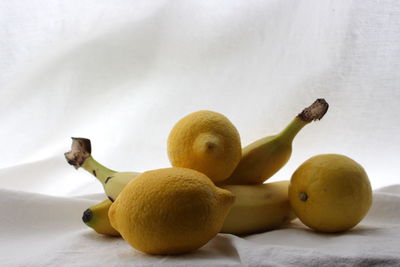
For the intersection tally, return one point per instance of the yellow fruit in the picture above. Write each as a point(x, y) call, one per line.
point(205, 141)
point(330, 193)
point(170, 211)
point(258, 208)
point(266, 156)
point(96, 217)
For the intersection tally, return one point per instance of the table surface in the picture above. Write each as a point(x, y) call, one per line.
point(41, 230)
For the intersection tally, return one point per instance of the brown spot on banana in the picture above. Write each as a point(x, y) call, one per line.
point(107, 179)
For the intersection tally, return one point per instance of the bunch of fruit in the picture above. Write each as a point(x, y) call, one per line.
point(216, 186)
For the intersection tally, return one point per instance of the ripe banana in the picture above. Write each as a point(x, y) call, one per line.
point(263, 158)
point(96, 217)
point(258, 208)
point(80, 156)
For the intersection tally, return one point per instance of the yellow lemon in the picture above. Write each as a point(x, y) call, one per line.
point(170, 211)
point(205, 141)
point(330, 193)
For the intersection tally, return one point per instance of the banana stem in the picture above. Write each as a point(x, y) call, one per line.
point(80, 156)
point(98, 170)
point(292, 129)
point(314, 112)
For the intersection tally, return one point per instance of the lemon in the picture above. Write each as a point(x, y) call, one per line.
point(330, 193)
point(170, 211)
point(205, 141)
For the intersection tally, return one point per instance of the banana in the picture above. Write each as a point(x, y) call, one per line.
point(96, 217)
point(258, 208)
point(263, 158)
point(80, 156)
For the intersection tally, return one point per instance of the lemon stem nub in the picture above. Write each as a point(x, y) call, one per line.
point(303, 196)
point(208, 143)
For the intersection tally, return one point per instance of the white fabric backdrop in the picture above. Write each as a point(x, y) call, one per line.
point(123, 72)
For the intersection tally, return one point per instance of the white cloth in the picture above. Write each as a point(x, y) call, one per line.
point(123, 72)
point(40, 230)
